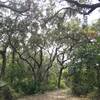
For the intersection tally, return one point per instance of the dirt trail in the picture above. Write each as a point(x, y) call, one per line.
point(55, 95)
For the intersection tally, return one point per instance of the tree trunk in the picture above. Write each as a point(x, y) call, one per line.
point(59, 78)
point(2, 74)
point(13, 56)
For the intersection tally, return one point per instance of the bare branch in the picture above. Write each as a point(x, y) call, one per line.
point(89, 7)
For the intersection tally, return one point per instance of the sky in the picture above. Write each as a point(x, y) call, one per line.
point(94, 16)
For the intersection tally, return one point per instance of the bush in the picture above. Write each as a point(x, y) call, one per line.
point(5, 93)
point(80, 89)
point(83, 81)
point(52, 80)
point(28, 87)
point(20, 80)
point(62, 84)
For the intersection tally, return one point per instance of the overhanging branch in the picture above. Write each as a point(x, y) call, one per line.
point(89, 7)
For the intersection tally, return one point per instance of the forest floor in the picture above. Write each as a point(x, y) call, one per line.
point(54, 95)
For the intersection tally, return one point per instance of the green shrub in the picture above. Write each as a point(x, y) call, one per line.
point(83, 81)
point(28, 87)
point(62, 84)
point(5, 93)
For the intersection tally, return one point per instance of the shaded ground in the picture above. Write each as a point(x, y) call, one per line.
point(55, 95)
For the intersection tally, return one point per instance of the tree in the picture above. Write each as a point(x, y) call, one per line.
point(4, 44)
point(82, 6)
point(30, 42)
point(16, 6)
point(86, 63)
point(62, 58)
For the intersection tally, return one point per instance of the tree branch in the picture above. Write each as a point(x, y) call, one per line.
point(90, 7)
point(21, 57)
point(2, 5)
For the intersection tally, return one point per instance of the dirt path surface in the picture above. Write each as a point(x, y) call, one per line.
point(55, 95)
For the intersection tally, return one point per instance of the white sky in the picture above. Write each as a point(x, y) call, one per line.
point(94, 16)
